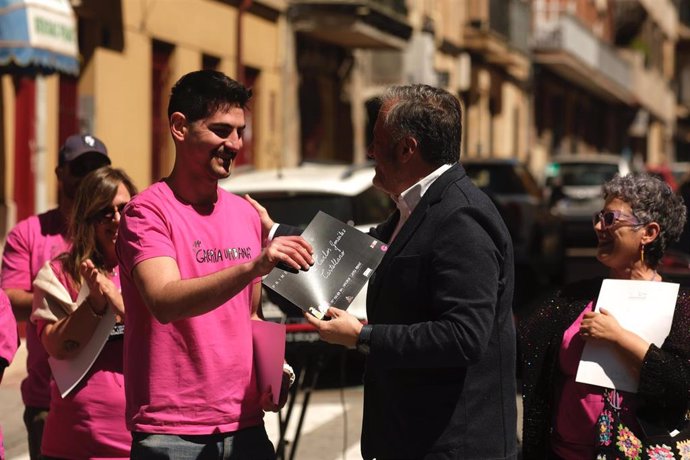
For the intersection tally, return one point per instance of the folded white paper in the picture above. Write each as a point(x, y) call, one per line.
point(643, 307)
point(69, 372)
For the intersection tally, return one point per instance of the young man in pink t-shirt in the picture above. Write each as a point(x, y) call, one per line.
point(191, 261)
point(31, 243)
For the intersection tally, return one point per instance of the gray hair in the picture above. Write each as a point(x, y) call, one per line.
point(431, 115)
point(651, 200)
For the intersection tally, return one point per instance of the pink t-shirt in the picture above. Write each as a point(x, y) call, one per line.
point(90, 421)
point(31, 243)
point(8, 340)
point(193, 376)
point(8, 330)
point(579, 404)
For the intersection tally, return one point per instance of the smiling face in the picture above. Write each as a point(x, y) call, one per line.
point(620, 243)
point(214, 142)
point(107, 223)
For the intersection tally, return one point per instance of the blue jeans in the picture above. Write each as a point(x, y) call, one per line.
point(247, 444)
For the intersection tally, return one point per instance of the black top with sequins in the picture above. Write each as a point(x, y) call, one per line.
point(664, 388)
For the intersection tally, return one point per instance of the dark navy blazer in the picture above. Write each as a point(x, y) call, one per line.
point(440, 378)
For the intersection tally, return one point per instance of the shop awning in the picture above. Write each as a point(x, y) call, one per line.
point(38, 36)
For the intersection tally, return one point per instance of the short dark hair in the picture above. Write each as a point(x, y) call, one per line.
point(201, 93)
point(432, 116)
point(651, 200)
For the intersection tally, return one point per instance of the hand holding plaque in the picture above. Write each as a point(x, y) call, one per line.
point(344, 259)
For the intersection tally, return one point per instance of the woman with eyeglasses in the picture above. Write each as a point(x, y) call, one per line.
point(74, 294)
point(640, 219)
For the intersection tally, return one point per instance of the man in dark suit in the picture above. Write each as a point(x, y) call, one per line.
point(439, 381)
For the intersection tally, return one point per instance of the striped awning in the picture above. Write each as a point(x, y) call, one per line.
point(38, 36)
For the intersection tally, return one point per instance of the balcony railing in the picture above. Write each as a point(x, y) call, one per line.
point(568, 35)
point(653, 92)
point(683, 83)
point(353, 23)
point(513, 26)
point(520, 25)
point(398, 6)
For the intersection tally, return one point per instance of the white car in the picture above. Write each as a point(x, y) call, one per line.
point(294, 195)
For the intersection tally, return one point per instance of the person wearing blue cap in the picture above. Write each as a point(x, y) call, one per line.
point(31, 243)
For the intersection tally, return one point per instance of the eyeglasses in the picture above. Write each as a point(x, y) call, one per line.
point(108, 214)
point(609, 218)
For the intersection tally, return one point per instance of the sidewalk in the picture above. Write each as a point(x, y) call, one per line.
point(12, 410)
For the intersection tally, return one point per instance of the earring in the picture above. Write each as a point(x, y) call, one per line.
point(642, 253)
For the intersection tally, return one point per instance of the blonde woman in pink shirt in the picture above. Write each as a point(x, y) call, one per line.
point(89, 421)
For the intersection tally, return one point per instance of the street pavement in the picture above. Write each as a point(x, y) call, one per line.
point(12, 408)
point(330, 431)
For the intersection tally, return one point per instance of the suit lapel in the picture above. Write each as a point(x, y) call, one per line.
point(430, 198)
point(385, 230)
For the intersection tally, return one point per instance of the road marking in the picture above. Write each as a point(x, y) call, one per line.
point(21, 457)
point(317, 415)
point(353, 453)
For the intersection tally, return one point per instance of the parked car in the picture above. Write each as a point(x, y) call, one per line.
point(536, 232)
point(294, 195)
point(675, 174)
point(680, 171)
point(573, 185)
point(665, 173)
point(675, 267)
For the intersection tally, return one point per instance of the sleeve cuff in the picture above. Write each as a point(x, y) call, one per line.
point(364, 339)
point(272, 233)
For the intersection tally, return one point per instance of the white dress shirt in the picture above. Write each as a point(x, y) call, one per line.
point(410, 198)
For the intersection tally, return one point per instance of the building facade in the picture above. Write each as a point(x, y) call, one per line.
point(536, 78)
point(131, 53)
point(603, 73)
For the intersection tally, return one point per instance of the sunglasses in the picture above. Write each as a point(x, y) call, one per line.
point(108, 214)
point(609, 218)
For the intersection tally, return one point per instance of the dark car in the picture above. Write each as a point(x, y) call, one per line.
point(536, 232)
point(574, 185)
point(675, 267)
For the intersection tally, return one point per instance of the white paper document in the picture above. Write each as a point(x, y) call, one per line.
point(69, 372)
point(643, 307)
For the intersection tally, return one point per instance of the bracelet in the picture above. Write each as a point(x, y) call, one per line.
point(289, 371)
point(93, 310)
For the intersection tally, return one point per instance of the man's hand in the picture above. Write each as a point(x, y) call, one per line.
point(341, 329)
point(266, 221)
point(267, 403)
point(293, 251)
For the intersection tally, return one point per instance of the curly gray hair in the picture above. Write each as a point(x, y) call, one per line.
point(651, 200)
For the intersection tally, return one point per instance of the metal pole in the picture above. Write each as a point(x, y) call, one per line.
point(39, 156)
